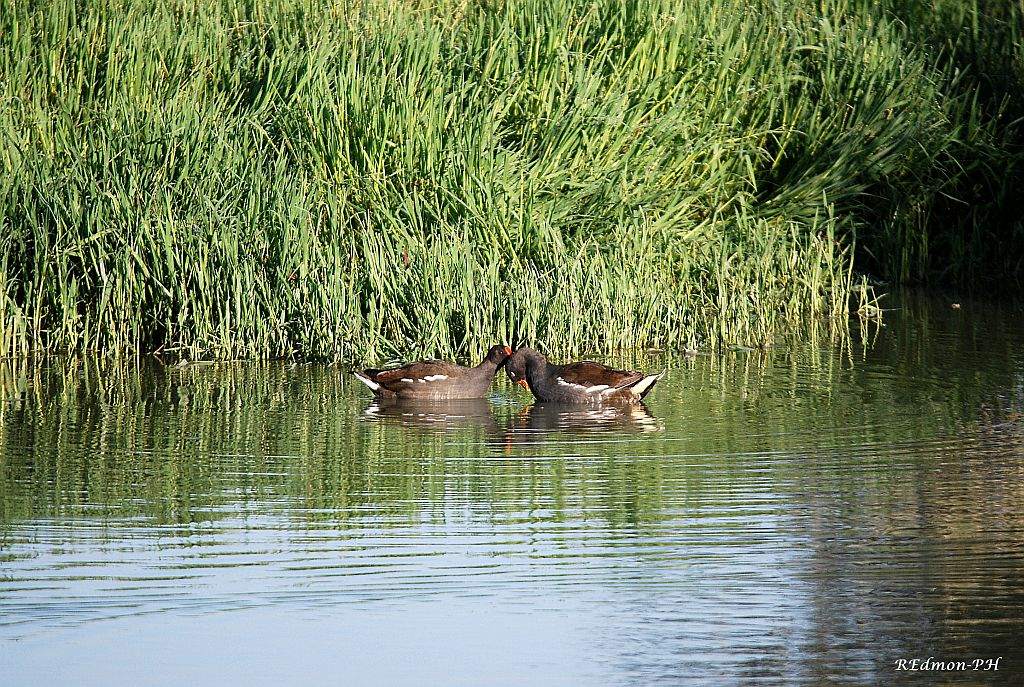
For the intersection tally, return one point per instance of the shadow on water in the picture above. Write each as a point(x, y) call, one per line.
point(809, 514)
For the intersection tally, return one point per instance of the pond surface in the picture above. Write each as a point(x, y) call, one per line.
point(810, 514)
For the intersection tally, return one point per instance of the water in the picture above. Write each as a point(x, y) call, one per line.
point(806, 515)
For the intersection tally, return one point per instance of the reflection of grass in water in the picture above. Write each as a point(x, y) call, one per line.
point(381, 178)
point(175, 445)
point(186, 444)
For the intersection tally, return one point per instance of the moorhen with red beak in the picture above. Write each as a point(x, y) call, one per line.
point(583, 382)
point(436, 380)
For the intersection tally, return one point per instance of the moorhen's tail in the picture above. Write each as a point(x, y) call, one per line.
point(644, 386)
point(366, 377)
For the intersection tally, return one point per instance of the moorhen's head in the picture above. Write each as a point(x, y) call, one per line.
point(498, 355)
point(515, 368)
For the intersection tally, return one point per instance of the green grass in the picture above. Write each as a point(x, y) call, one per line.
point(374, 180)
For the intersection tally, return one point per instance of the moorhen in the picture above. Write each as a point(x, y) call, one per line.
point(436, 380)
point(583, 382)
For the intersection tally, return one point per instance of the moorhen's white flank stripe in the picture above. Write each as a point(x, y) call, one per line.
point(587, 389)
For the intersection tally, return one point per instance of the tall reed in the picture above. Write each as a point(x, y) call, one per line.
point(383, 179)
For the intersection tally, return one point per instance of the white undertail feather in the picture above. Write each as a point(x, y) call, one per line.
point(367, 381)
point(642, 387)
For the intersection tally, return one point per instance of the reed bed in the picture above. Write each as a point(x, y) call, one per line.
point(374, 180)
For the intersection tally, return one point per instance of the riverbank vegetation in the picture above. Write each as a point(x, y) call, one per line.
point(370, 180)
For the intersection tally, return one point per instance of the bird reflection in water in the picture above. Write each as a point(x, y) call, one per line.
point(435, 415)
point(534, 424)
point(537, 421)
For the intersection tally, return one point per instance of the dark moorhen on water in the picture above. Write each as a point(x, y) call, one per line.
point(584, 382)
point(436, 380)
